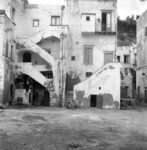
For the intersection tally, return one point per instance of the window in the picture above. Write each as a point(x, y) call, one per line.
point(126, 58)
point(13, 14)
point(7, 50)
point(108, 57)
point(55, 20)
point(88, 74)
point(118, 58)
point(88, 55)
point(145, 31)
point(87, 18)
point(106, 21)
point(73, 58)
point(12, 52)
point(35, 22)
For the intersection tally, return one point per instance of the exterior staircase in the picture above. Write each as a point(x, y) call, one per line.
point(105, 83)
point(29, 45)
point(28, 69)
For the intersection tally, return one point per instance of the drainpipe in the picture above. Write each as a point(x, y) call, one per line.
point(62, 61)
point(115, 59)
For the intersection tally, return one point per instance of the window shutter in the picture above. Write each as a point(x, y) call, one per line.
point(90, 52)
point(145, 31)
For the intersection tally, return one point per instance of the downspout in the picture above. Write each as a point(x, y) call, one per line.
point(62, 61)
point(116, 28)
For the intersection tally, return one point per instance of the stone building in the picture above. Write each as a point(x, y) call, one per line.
point(127, 57)
point(54, 47)
point(141, 57)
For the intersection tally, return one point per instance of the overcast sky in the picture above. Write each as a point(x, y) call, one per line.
point(131, 7)
point(125, 7)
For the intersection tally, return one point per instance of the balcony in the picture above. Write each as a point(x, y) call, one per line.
point(101, 29)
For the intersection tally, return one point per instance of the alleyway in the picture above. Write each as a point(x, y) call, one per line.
point(63, 129)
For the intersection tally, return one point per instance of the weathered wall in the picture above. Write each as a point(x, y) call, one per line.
point(7, 65)
point(102, 84)
point(101, 42)
point(142, 54)
point(127, 50)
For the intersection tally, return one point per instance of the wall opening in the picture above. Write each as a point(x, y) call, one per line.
point(11, 94)
point(93, 101)
point(27, 57)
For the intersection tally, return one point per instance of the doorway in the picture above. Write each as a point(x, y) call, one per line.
point(145, 96)
point(11, 94)
point(93, 101)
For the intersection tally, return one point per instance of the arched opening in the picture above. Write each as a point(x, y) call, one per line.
point(11, 94)
point(27, 57)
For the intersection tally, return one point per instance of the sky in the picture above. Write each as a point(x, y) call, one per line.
point(125, 7)
point(131, 7)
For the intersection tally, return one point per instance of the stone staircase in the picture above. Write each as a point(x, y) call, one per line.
point(28, 69)
point(31, 46)
point(105, 83)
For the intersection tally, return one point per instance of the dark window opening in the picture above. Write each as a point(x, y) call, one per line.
point(106, 21)
point(126, 58)
point(87, 18)
point(88, 74)
point(73, 58)
point(36, 23)
point(27, 57)
point(118, 58)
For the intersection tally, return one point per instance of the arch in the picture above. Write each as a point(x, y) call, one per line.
point(27, 57)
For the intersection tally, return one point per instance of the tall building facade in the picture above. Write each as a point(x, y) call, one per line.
point(47, 49)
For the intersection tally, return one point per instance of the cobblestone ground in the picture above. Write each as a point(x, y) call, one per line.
point(81, 129)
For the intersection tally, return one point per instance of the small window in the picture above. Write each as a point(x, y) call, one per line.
point(88, 74)
point(118, 58)
point(145, 31)
point(13, 14)
point(126, 58)
point(55, 20)
point(87, 18)
point(12, 52)
point(36, 23)
point(73, 58)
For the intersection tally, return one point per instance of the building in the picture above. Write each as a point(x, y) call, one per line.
point(141, 57)
point(127, 57)
point(57, 47)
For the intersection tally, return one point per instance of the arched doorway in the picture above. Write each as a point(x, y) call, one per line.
point(11, 94)
point(27, 57)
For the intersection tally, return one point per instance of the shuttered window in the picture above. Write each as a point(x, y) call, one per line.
point(88, 55)
point(108, 58)
point(145, 31)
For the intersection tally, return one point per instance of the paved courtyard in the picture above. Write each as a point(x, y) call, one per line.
point(40, 128)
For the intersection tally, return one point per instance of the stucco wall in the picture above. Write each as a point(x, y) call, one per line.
point(102, 84)
point(101, 42)
point(7, 75)
point(141, 54)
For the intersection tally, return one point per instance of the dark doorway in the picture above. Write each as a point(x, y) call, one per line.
point(93, 101)
point(27, 57)
point(11, 95)
point(104, 21)
point(145, 96)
